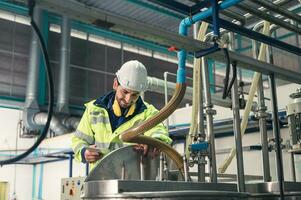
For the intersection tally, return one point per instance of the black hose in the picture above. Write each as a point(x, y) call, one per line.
point(31, 4)
point(226, 80)
point(234, 74)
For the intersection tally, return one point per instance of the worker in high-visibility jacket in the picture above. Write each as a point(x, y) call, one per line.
point(108, 116)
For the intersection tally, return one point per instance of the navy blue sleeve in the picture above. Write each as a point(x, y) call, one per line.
point(83, 155)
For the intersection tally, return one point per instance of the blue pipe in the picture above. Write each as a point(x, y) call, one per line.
point(40, 191)
point(183, 30)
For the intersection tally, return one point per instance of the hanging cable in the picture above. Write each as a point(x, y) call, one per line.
point(234, 74)
point(226, 80)
point(31, 5)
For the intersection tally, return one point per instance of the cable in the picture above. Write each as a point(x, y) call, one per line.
point(234, 74)
point(226, 80)
point(31, 5)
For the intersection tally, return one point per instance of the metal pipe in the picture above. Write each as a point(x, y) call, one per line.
point(262, 114)
point(237, 128)
point(238, 140)
point(209, 116)
point(123, 171)
point(34, 66)
point(63, 87)
point(263, 131)
point(277, 9)
point(70, 122)
point(185, 169)
point(55, 124)
point(201, 168)
point(141, 168)
point(161, 167)
point(268, 17)
point(276, 132)
point(165, 74)
point(293, 169)
point(158, 85)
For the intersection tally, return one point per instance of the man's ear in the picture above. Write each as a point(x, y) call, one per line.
point(115, 84)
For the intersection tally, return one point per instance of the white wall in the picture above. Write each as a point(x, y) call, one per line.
point(23, 174)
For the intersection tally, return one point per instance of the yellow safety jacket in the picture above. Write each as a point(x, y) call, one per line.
point(95, 128)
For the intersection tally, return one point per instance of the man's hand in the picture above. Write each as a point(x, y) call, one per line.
point(91, 155)
point(145, 149)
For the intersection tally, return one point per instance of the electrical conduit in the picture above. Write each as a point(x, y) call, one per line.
point(135, 134)
point(244, 123)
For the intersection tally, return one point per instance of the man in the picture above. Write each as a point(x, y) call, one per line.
point(107, 117)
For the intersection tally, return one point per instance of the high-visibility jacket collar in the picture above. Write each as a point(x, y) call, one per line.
point(106, 102)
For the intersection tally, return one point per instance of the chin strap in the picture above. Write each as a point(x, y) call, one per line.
point(117, 109)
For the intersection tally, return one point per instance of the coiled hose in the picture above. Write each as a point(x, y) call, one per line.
point(134, 134)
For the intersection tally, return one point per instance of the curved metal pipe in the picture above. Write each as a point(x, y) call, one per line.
point(55, 124)
point(134, 134)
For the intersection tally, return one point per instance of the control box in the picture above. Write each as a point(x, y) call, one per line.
point(71, 188)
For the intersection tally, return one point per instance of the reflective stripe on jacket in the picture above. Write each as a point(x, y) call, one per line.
point(95, 128)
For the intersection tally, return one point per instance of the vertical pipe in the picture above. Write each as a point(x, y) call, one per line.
point(166, 97)
point(262, 117)
point(276, 132)
point(123, 171)
point(33, 69)
point(40, 191)
point(263, 132)
point(238, 142)
point(70, 164)
point(63, 88)
point(161, 170)
point(141, 168)
point(200, 122)
point(237, 128)
point(209, 116)
point(185, 169)
point(293, 170)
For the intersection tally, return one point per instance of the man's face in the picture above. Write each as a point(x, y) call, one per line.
point(124, 97)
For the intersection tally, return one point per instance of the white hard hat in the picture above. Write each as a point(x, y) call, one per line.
point(133, 75)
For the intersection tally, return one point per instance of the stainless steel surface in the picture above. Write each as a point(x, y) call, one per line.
point(125, 160)
point(130, 189)
point(209, 116)
point(63, 87)
point(89, 15)
point(156, 189)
